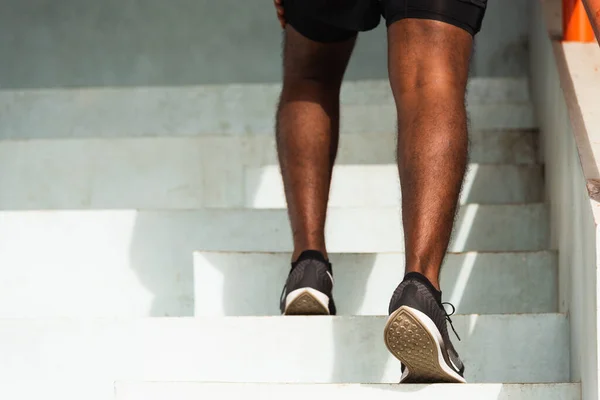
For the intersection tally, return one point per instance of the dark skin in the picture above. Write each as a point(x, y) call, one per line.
point(428, 70)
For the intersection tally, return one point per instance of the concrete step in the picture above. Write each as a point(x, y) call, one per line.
point(118, 120)
point(184, 173)
point(194, 391)
point(480, 90)
point(141, 262)
point(382, 119)
point(229, 109)
point(379, 185)
point(116, 283)
point(511, 349)
point(77, 390)
point(485, 283)
point(486, 147)
point(371, 230)
point(65, 389)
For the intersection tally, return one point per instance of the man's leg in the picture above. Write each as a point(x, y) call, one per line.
point(428, 67)
point(308, 131)
point(307, 139)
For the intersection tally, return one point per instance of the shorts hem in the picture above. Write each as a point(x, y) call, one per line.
point(416, 14)
point(309, 33)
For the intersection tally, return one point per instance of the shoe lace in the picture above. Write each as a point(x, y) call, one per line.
point(282, 294)
point(448, 315)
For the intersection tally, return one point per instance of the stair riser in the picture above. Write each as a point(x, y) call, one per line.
point(136, 263)
point(480, 90)
point(272, 349)
point(189, 173)
point(26, 118)
point(487, 147)
point(195, 391)
point(250, 284)
point(63, 389)
point(378, 186)
point(233, 109)
point(152, 251)
point(161, 236)
point(77, 390)
point(110, 284)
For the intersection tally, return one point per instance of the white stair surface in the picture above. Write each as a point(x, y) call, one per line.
point(166, 236)
point(45, 283)
point(484, 283)
point(233, 110)
point(110, 119)
point(78, 390)
point(186, 173)
point(120, 204)
point(140, 263)
point(379, 185)
point(508, 349)
point(195, 391)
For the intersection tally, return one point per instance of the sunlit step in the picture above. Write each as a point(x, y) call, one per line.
point(185, 173)
point(141, 262)
point(379, 186)
point(195, 391)
point(148, 235)
point(158, 390)
point(484, 283)
point(226, 109)
point(163, 281)
point(511, 349)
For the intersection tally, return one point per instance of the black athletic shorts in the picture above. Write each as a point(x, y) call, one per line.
point(338, 20)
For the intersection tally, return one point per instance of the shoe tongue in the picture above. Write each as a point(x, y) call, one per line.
point(311, 255)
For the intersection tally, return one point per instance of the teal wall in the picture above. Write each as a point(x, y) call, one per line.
point(66, 43)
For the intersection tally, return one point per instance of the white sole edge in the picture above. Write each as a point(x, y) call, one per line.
point(318, 299)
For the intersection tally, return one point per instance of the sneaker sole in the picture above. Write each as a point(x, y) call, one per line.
point(412, 337)
point(306, 301)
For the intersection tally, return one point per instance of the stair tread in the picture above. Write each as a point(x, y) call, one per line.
point(114, 123)
point(495, 348)
point(165, 235)
point(193, 391)
point(485, 283)
point(135, 113)
point(184, 173)
point(378, 185)
point(108, 284)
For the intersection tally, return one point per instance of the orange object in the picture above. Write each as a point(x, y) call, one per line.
point(576, 24)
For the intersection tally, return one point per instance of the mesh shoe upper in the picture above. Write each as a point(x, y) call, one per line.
point(311, 270)
point(417, 292)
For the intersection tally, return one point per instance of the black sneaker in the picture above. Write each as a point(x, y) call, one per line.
point(416, 333)
point(308, 287)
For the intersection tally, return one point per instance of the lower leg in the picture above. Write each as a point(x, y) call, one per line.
point(307, 132)
point(428, 72)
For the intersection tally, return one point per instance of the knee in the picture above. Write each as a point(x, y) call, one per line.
point(321, 79)
point(428, 77)
point(318, 87)
point(429, 95)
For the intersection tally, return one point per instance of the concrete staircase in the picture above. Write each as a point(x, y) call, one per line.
point(144, 243)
